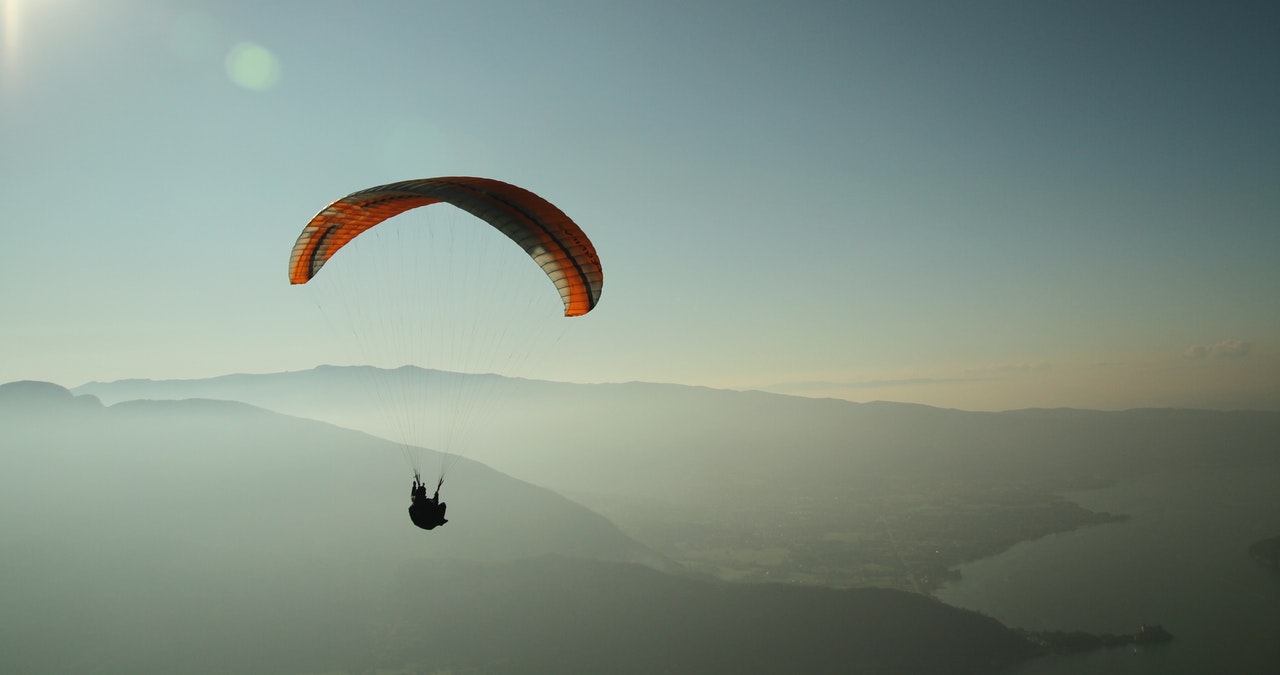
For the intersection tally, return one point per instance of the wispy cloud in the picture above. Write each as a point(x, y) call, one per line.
point(999, 369)
point(828, 384)
point(980, 373)
point(1227, 349)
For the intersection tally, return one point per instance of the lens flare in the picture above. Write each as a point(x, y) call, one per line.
point(253, 67)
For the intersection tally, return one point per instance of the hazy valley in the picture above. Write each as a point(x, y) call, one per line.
point(243, 539)
point(756, 486)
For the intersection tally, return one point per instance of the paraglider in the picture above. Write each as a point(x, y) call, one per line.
point(426, 512)
point(549, 237)
point(554, 241)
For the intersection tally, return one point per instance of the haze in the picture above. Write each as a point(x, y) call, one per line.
point(935, 337)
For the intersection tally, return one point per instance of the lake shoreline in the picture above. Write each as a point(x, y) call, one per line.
point(1072, 642)
point(1267, 553)
point(1179, 560)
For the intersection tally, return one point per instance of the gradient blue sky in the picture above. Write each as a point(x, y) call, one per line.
point(982, 205)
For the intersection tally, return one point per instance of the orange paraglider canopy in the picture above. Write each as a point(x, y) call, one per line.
point(550, 237)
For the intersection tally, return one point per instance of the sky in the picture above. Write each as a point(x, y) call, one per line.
point(981, 205)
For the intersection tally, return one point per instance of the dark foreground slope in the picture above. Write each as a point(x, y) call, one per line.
point(556, 615)
point(213, 537)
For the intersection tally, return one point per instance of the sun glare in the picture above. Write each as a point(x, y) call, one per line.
point(35, 31)
point(10, 33)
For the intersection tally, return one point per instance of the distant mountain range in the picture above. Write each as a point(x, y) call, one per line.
point(670, 442)
point(759, 486)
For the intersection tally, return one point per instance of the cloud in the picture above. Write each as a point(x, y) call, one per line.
point(808, 386)
point(991, 369)
point(1227, 349)
point(981, 373)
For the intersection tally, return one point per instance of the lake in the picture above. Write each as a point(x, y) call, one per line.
point(1181, 561)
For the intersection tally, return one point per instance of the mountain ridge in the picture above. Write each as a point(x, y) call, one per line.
point(274, 457)
point(763, 486)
